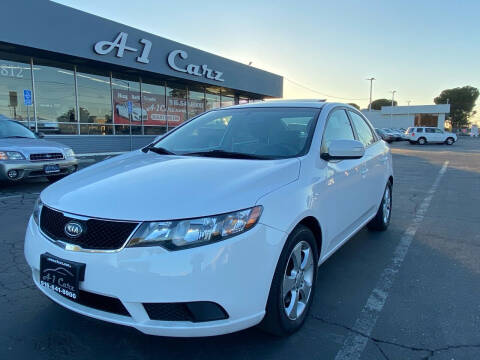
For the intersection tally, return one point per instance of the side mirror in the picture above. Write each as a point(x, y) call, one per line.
point(343, 150)
point(40, 135)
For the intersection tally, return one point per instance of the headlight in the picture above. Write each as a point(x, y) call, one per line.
point(69, 153)
point(181, 234)
point(11, 155)
point(37, 209)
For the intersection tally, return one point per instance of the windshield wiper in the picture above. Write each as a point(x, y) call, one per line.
point(226, 154)
point(157, 150)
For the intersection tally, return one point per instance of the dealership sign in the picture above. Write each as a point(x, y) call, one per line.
point(120, 45)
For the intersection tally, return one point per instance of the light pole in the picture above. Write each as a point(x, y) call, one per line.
point(371, 87)
point(391, 111)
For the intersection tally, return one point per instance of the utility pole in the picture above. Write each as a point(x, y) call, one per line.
point(391, 111)
point(371, 87)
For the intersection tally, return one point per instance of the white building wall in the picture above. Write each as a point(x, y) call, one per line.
point(380, 120)
point(404, 116)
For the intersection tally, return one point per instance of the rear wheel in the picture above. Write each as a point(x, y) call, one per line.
point(449, 141)
point(422, 141)
point(292, 288)
point(382, 219)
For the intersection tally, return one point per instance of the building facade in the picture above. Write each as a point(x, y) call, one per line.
point(407, 116)
point(98, 85)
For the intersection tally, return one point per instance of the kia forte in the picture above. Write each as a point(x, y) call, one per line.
point(217, 226)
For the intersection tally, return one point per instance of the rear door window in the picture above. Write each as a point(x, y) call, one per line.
point(419, 130)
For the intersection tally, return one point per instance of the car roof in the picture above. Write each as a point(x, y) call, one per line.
point(306, 103)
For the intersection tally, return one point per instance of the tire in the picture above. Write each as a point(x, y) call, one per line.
point(382, 219)
point(276, 321)
point(450, 141)
point(422, 141)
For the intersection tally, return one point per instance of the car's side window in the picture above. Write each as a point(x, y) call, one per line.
point(428, 130)
point(364, 132)
point(419, 130)
point(438, 131)
point(338, 128)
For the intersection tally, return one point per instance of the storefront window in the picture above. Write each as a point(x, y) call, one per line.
point(212, 99)
point(153, 102)
point(55, 96)
point(426, 120)
point(176, 105)
point(127, 109)
point(154, 130)
point(243, 100)
point(94, 102)
point(196, 102)
point(227, 100)
point(15, 77)
point(96, 129)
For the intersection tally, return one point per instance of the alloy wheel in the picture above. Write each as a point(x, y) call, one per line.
point(298, 280)
point(387, 205)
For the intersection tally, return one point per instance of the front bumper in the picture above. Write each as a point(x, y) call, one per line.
point(29, 169)
point(235, 273)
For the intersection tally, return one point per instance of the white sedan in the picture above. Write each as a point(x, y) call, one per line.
point(219, 226)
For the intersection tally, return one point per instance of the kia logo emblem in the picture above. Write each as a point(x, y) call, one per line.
point(73, 229)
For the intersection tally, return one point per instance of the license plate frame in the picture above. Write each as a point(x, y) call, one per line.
point(51, 169)
point(62, 276)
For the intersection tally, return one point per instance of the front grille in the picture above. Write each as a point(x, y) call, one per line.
point(101, 302)
point(46, 156)
point(96, 235)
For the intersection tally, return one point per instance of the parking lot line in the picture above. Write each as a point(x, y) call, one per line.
point(357, 340)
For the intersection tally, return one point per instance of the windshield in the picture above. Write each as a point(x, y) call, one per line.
point(269, 133)
point(12, 129)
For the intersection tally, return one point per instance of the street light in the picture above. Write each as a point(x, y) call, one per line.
point(371, 87)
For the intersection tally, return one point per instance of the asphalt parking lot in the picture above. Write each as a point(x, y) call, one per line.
point(411, 292)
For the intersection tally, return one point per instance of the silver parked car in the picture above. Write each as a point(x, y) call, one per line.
point(26, 155)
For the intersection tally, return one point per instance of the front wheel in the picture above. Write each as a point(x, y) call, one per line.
point(382, 219)
point(422, 141)
point(292, 289)
point(449, 141)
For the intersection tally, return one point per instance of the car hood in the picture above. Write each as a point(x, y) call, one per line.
point(139, 186)
point(31, 146)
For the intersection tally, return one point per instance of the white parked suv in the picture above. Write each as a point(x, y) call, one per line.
point(422, 135)
point(218, 226)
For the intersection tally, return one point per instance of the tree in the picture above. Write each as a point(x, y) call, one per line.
point(377, 104)
point(462, 101)
point(354, 105)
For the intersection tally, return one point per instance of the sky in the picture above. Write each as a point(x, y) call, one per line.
point(325, 49)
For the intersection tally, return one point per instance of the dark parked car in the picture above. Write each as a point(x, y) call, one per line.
point(24, 154)
point(385, 136)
